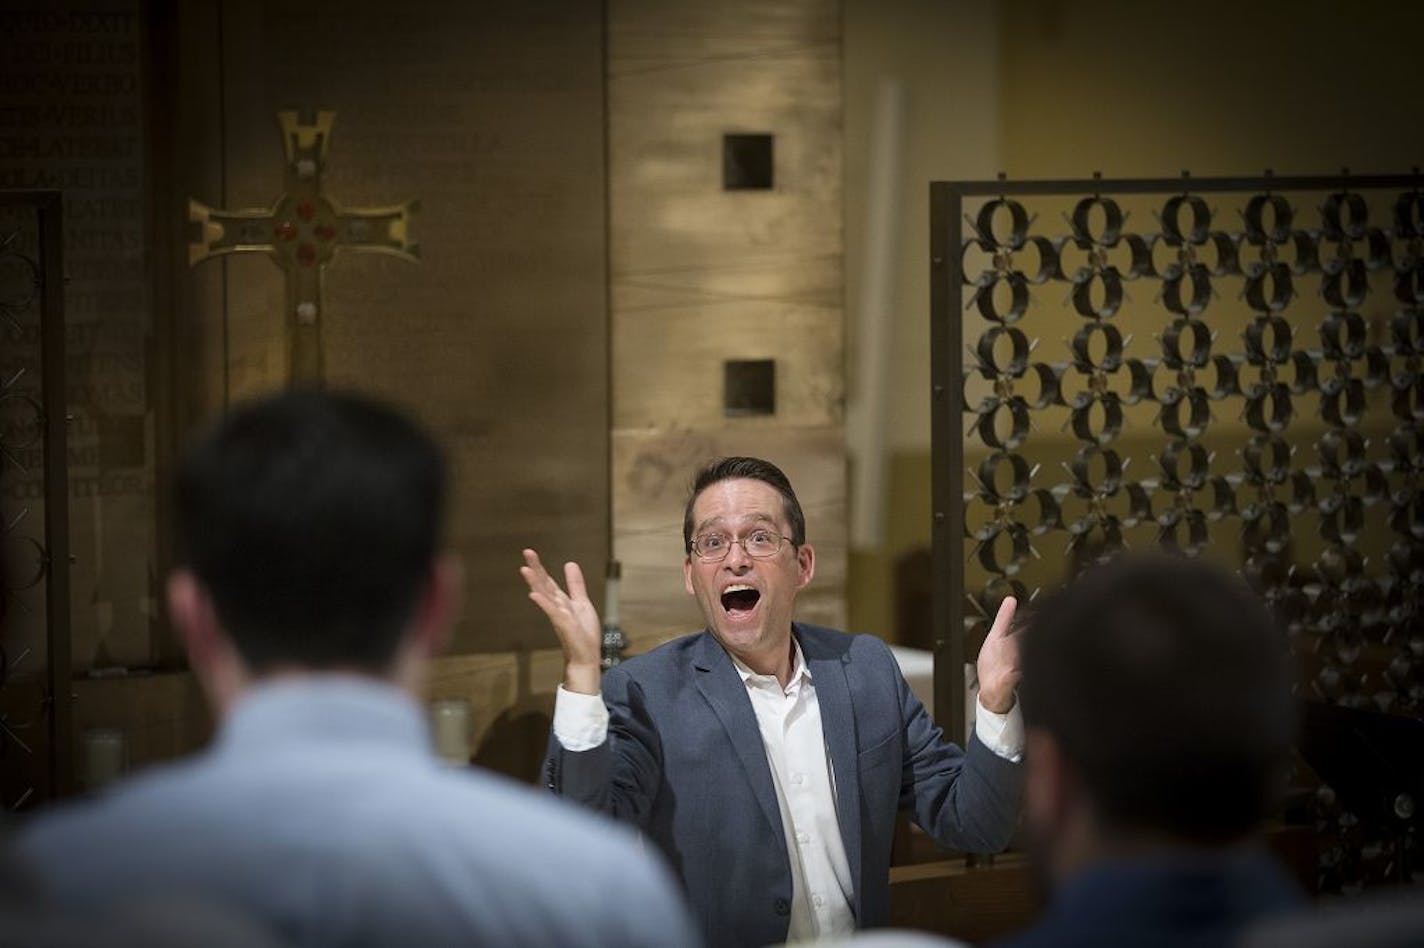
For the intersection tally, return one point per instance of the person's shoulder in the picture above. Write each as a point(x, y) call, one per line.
point(526, 866)
point(587, 849)
point(131, 803)
point(81, 841)
point(820, 641)
point(493, 819)
point(492, 803)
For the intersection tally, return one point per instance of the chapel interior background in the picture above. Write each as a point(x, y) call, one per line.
point(647, 233)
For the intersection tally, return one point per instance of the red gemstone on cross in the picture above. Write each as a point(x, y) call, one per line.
point(306, 254)
point(306, 210)
point(325, 231)
point(286, 230)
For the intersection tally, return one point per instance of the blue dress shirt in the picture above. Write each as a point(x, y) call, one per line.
point(322, 811)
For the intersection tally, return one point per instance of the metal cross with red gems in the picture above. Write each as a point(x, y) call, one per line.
point(301, 233)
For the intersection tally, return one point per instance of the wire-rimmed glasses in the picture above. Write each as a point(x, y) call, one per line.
point(759, 544)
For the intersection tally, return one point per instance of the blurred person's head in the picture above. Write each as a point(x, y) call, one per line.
point(1156, 697)
point(308, 540)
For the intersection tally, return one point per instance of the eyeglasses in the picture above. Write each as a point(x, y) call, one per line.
point(714, 547)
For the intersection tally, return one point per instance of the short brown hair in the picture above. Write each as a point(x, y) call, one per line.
point(740, 468)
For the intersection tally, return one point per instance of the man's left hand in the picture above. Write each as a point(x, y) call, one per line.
point(999, 661)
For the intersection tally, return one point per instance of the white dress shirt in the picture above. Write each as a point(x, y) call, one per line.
point(822, 887)
point(789, 719)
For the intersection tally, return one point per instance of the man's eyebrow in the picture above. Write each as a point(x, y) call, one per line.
point(753, 518)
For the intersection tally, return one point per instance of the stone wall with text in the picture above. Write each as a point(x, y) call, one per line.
point(72, 119)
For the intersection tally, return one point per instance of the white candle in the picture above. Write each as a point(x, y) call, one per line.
point(105, 756)
point(450, 720)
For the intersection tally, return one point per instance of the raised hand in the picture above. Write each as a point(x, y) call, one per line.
point(574, 619)
point(999, 661)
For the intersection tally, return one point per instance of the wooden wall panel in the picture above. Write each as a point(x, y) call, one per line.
point(689, 346)
point(491, 114)
point(700, 275)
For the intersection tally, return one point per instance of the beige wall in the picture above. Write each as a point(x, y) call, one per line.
point(1219, 87)
point(946, 57)
point(945, 54)
point(1061, 88)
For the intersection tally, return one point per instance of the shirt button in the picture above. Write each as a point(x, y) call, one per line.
point(818, 900)
point(802, 838)
point(798, 778)
point(782, 907)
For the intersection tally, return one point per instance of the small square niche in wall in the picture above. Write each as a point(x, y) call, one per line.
point(750, 387)
point(747, 163)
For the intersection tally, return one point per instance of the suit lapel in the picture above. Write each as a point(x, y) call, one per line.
point(725, 691)
point(828, 672)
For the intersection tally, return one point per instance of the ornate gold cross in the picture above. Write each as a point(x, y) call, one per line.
point(301, 232)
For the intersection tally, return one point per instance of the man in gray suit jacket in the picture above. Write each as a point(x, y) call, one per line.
point(767, 758)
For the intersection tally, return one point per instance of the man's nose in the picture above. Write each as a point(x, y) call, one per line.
point(738, 560)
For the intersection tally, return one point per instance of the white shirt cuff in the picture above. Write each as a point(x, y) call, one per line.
point(581, 721)
point(1001, 733)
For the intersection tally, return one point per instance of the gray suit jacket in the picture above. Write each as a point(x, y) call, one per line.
point(684, 762)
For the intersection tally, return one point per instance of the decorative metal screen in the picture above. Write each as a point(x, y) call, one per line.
point(1226, 367)
point(35, 738)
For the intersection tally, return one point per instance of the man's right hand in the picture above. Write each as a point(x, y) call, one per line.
point(574, 619)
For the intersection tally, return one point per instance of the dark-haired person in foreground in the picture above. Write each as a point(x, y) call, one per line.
point(768, 758)
point(1156, 697)
point(311, 593)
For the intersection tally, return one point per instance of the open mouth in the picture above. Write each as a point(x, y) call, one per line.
point(739, 601)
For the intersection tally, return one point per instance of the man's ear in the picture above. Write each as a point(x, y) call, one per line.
point(212, 657)
point(805, 564)
point(190, 609)
point(687, 575)
point(439, 604)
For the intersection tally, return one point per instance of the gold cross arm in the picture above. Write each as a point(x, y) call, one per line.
point(301, 232)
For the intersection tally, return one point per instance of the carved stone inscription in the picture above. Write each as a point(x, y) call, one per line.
point(71, 119)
